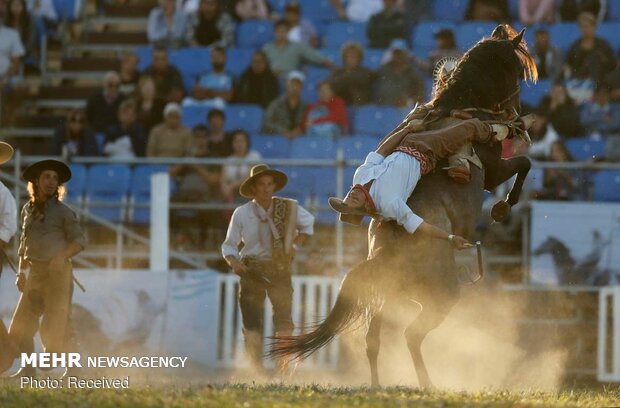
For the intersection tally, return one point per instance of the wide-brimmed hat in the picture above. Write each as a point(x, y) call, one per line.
point(33, 171)
point(6, 152)
point(348, 214)
point(279, 178)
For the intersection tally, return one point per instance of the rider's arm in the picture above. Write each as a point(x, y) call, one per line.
point(393, 141)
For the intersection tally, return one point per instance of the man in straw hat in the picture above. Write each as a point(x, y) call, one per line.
point(51, 235)
point(8, 226)
point(271, 229)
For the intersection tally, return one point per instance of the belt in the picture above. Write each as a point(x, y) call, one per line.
point(425, 164)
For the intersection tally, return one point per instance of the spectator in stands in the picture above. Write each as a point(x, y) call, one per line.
point(386, 25)
point(211, 25)
point(398, 83)
point(569, 10)
point(536, 11)
point(562, 112)
point(149, 107)
point(252, 10)
point(234, 173)
point(285, 56)
point(12, 87)
point(488, 10)
point(125, 139)
point(18, 18)
point(258, 83)
point(168, 80)
point(560, 184)
point(45, 10)
point(285, 114)
point(196, 183)
point(129, 74)
point(74, 137)
point(613, 80)
point(353, 82)
point(171, 138)
point(327, 117)
point(543, 136)
point(216, 87)
point(547, 56)
point(219, 145)
point(102, 107)
point(168, 26)
point(600, 118)
point(589, 57)
point(300, 29)
point(446, 47)
point(357, 10)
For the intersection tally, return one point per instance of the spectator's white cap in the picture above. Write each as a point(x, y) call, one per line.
point(172, 107)
point(298, 75)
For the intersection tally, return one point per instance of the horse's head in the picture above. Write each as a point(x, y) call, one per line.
point(488, 75)
point(550, 246)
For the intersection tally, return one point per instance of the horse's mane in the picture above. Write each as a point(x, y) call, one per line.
point(487, 73)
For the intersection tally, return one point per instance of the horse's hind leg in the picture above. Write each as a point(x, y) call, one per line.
point(373, 341)
point(415, 334)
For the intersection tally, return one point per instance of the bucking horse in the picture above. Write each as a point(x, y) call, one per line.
point(485, 83)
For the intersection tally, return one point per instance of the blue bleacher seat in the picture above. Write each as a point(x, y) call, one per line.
point(357, 147)
point(109, 184)
point(75, 186)
point(373, 58)
point(513, 9)
point(531, 94)
point(140, 191)
point(194, 115)
point(309, 147)
point(613, 11)
point(278, 5)
point(563, 35)
point(300, 184)
point(453, 10)
point(145, 57)
point(238, 59)
point(607, 186)
point(244, 116)
point(67, 10)
point(468, 34)
point(340, 32)
point(271, 146)
point(585, 149)
point(310, 92)
point(371, 120)
point(423, 34)
point(191, 61)
point(326, 216)
point(318, 10)
point(610, 31)
point(254, 33)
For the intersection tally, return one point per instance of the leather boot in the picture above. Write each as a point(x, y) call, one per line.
point(458, 165)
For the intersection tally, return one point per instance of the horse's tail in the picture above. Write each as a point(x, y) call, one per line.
point(356, 299)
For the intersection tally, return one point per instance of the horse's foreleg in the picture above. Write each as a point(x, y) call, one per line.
point(504, 171)
point(415, 334)
point(373, 341)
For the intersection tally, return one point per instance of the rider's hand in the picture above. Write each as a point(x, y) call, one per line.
point(460, 243)
point(238, 267)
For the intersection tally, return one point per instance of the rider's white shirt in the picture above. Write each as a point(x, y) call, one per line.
point(395, 178)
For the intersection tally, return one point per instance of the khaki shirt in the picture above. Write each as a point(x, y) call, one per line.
point(165, 142)
point(45, 235)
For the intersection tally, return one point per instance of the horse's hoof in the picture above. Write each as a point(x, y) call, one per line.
point(500, 211)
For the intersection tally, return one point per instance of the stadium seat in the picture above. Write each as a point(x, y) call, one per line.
point(67, 10)
point(194, 115)
point(613, 11)
point(563, 35)
point(308, 147)
point(75, 186)
point(607, 186)
point(333, 54)
point(423, 34)
point(243, 116)
point(254, 33)
point(357, 147)
point(453, 10)
point(373, 58)
point(318, 10)
point(610, 32)
point(325, 216)
point(145, 57)
point(191, 61)
point(340, 32)
point(271, 146)
point(375, 121)
point(238, 59)
point(531, 94)
point(106, 191)
point(585, 149)
point(300, 184)
point(468, 34)
point(140, 192)
point(278, 5)
point(310, 92)
point(513, 9)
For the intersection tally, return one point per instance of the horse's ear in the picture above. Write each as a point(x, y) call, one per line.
point(517, 40)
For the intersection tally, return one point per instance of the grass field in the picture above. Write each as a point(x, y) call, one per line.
point(244, 395)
